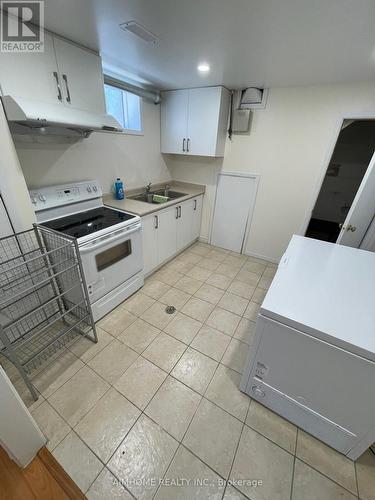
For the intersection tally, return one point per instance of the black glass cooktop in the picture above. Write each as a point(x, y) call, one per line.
point(85, 223)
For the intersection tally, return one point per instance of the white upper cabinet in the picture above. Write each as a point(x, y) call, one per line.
point(31, 75)
point(174, 116)
point(63, 74)
point(194, 121)
point(81, 77)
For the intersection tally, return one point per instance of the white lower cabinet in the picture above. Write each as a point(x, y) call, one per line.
point(150, 242)
point(184, 224)
point(166, 234)
point(169, 230)
point(197, 217)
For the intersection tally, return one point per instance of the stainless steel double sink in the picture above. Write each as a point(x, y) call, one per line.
point(149, 197)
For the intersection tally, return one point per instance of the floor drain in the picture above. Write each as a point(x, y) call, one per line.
point(170, 309)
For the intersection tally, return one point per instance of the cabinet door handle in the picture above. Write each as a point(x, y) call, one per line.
point(183, 145)
point(195, 204)
point(188, 145)
point(65, 78)
point(180, 211)
point(59, 95)
point(176, 212)
point(156, 222)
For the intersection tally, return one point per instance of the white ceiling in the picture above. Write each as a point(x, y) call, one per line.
point(247, 42)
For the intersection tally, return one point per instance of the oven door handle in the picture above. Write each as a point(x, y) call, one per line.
point(104, 240)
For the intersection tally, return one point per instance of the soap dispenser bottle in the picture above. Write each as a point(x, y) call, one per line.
point(119, 189)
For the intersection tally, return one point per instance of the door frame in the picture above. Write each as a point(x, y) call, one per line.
point(354, 204)
point(327, 158)
point(249, 218)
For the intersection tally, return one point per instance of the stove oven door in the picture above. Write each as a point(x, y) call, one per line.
point(112, 259)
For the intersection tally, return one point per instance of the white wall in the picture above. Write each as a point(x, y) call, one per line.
point(198, 170)
point(288, 146)
point(13, 188)
point(19, 434)
point(103, 156)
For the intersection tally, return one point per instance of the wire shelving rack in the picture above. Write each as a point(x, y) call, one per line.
point(44, 303)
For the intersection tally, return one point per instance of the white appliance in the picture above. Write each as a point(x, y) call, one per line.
point(109, 241)
point(27, 116)
point(313, 358)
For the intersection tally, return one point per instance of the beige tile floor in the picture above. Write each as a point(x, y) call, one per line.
point(153, 409)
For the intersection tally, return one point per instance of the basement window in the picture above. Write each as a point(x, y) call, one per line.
point(125, 107)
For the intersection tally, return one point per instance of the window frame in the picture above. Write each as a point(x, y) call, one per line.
point(125, 131)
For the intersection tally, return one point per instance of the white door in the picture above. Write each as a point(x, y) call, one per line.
point(31, 75)
point(184, 224)
point(150, 242)
point(174, 112)
point(368, 242)
point(197, 218)
point(235, 199)
point(167, 233)
point(203, 118)
point(361, 212)
point(82, 77)
point(5, 226)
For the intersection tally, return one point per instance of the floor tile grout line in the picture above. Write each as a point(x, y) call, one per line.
point(180, 442)
point(96, 477)
point(294, 466)
point(126, 369)
point(294, 454)
point(111, 384)
point(183, 437)
point(325, 475)
point(238, 444)
point(356, 477)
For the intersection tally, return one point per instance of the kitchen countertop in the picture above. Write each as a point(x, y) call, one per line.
point(142, 208)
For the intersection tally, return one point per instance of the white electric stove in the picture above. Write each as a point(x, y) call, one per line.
point(110, 241)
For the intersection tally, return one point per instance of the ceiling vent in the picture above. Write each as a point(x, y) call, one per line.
point(250, 98)
point(140, 31)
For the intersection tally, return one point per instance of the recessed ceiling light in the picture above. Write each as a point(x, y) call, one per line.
point(203, 68)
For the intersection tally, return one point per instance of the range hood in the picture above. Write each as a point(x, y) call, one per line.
point(30, 117)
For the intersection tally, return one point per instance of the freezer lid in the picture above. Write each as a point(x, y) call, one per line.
point(328, 291)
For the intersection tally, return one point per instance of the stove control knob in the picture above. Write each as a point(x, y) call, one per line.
point(33, 200)
point(258, 391)
point(42, 197)
point(95, 188)
point(88, 189)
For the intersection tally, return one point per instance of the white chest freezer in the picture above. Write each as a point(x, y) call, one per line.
point(313, 357)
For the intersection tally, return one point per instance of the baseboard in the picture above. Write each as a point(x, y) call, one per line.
point(203, 239)
point(263, 257)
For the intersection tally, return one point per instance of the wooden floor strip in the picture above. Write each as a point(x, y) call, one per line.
point(42, 479)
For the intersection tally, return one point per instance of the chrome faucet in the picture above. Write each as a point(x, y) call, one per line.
point(148, 187)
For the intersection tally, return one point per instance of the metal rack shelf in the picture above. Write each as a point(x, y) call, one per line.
point(43, 298)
